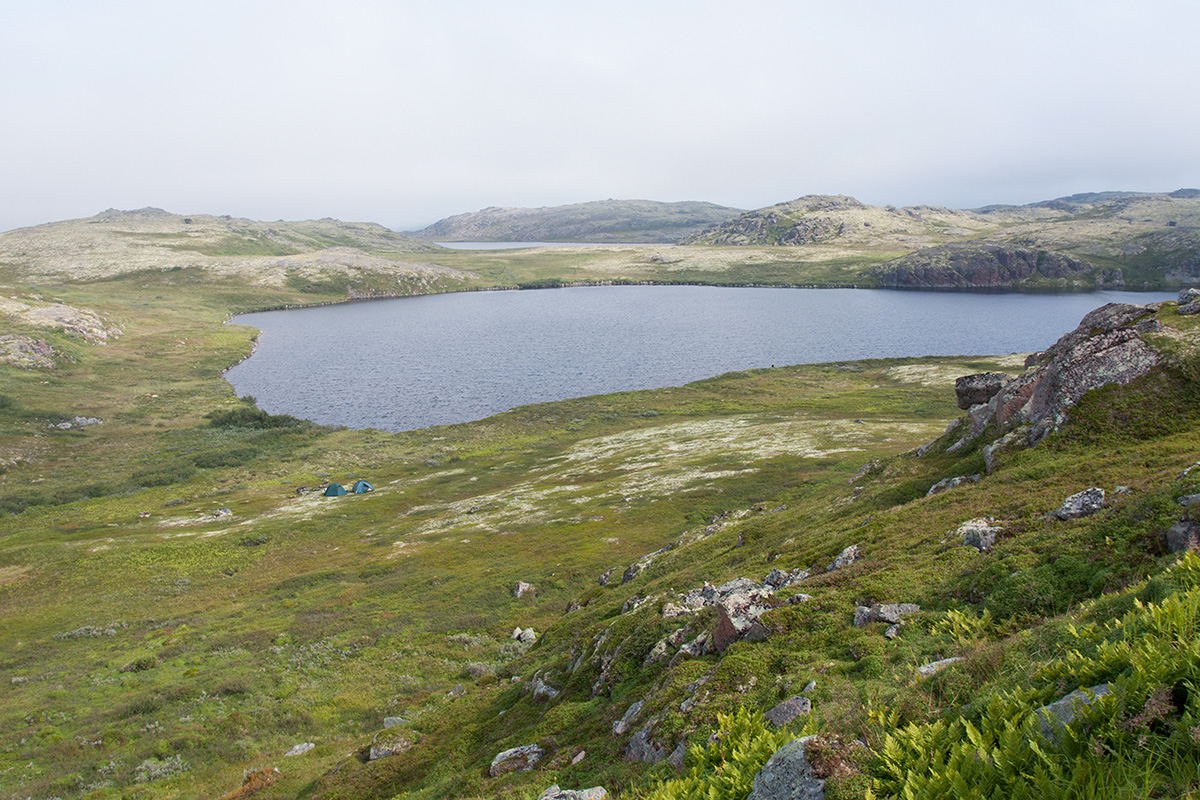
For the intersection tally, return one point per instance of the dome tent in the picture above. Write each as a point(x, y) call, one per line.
point(362, 487)
point(335, 490)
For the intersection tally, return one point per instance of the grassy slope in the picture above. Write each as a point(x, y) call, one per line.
point(306, 619)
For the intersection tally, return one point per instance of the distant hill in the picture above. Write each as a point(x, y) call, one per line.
point(1099, 238)
point(601, 221)
point(114, 242)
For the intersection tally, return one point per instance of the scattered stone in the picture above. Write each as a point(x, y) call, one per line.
point(1081, 504)
point(934, 667)
point(516, 759)
point(299, 749)
point(580, 756)
point(845, 558)
point(979, 533)
point(797, 599)
point(605, 576)
point(1122, 490)
point(891, 613)
point(788, 710)
point(555, 793)
point(946, 484)
point(788, 775)
point(526, 636)
point(1183, 535)
point(973, 390)
point(1062, 712)
point(457, 691)
point(622, 725)
point(392, 745)
point(778, 579)
point(391, 722)
point(222, 513)
point(522, 589)
point(808, 687)
point(737, 618)
point(866, 469)
point(892, 631)
point(1189, 500)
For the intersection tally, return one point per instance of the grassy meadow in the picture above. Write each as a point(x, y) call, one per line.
point(182, 607)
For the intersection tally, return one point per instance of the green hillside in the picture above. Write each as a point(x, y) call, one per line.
point(183, 607)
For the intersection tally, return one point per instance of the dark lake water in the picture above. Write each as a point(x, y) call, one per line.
point(419, 361)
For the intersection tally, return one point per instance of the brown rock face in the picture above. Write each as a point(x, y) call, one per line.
point(964, 265)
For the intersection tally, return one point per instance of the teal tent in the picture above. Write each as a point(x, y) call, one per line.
point(362, 487)
point(335, 490)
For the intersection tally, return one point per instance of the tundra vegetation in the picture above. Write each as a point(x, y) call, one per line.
point(183, 608)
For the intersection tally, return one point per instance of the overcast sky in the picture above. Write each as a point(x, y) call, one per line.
point(405, 112)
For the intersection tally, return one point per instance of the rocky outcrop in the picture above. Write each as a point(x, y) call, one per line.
point(807, 220)
point(1189, 301)
point(299, 750)
point(788, 775)
point(1105, 348)
point(516, 759)
point(971, 390)
point(978, 265)
point(25, 352)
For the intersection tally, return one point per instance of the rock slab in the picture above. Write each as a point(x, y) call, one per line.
point(788, 775)
point(1081, 504)
point(516, 759)
point(789, 710)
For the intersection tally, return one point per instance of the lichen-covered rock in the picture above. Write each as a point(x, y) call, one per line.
point(555, 793)
point(516, 759)
point(523, 589)
point(973, 390)
point(25, 352)
point(1183, 535)
point(1081, 504)
point(946, 484)
point(387, 745)
point(788, 775)
point(979, 533)
point(642, 748)
point(788, 710)
point(934, 667)
point(891, 613)
point(299, 750)
point(622, 725)
point(845, 558)
point(1062, 712)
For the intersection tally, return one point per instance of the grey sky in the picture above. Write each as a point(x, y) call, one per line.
point(406, 112)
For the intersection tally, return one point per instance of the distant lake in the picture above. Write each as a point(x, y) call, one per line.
point(414, 362)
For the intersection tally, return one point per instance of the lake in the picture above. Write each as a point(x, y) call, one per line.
point(413, 362)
